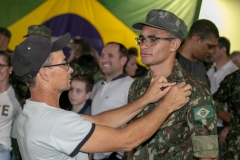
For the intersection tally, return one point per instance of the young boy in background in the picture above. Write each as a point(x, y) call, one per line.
point(79, 94)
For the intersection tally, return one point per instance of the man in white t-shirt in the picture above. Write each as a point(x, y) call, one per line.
point(223, 66)
point(112, 92)
point(47, 132)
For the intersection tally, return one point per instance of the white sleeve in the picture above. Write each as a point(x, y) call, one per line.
point(70, 132)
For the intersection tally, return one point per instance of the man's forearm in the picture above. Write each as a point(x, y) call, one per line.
point(117, 117)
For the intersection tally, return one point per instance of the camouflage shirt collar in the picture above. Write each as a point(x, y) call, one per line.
point(175, 76)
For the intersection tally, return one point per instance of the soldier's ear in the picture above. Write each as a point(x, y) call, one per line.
point(175, 44)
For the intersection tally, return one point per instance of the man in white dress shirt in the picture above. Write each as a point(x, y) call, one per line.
point(221, 68)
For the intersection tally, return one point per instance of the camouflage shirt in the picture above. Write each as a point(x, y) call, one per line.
point(229, 92)
point(95, 73)
point(21, 89)
point(187, 133)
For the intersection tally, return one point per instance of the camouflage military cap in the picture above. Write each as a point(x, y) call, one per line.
point(165, 20)
point(39, 30)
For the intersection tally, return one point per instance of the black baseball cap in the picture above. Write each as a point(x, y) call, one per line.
point(5, 32)
point(29, 56)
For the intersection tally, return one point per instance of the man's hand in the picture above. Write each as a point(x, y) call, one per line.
point(223, 135)
point(178, 96)
point(155, 91)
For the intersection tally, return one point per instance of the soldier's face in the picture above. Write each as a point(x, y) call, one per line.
point(111, 62)
point(158, 53)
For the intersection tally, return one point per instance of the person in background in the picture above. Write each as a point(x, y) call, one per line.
point(201, 42)
point(80, 91)
point(235, 57)
point(112, 92)
point(229, 92)
point(39, 30)
point(5, 36)
point(131, 65)
point(190, 132)
point(79, 47)
point(9, 106)
point(222, 67)
point(88, 64)
point(141, 70)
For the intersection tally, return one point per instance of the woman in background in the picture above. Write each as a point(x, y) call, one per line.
point(131, 65)
point(9, 106)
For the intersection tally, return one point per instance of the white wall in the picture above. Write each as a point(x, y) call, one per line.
point(226, 15)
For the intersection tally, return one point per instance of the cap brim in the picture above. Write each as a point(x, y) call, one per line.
point(140, 25)
point(25, 36)
point(61, 42)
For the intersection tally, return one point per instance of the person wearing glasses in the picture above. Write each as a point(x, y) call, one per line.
point(190, 132)
point(9, 106)
point(45, 131)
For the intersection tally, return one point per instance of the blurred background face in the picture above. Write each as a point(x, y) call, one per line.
point(4, 70)
point(110, 60)
point(215, 55)
point(77, 93)
point(131, 66)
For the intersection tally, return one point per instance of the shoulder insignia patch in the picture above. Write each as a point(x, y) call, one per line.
point(203, 112)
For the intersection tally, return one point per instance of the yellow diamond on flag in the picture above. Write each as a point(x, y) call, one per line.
point(203, 112)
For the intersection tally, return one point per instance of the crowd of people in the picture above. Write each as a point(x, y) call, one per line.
point(105, 106)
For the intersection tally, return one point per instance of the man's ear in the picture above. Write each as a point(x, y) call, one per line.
point(196, 39)
point(43, 74)
point(123, 60)
point(175, 44)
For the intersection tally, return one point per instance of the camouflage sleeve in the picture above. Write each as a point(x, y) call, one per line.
point(221, 96)
point(202, 120)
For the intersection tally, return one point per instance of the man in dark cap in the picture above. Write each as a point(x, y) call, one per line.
point(5, 36)
point(39, 30)
point(190, 132)
point(47, 132)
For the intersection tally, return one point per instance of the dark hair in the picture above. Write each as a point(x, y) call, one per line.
point(122, 49)
point(204, 29)
point(4, 31)
point(88, 61)
point(131, 52)
point(30, 80)
point(7, 55)
point(84, 48)
point(88, 80)
point(224, 42)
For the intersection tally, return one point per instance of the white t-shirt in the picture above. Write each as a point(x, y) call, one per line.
point(216, 78)
point(49, 133)
point(9, 109)
point(108, 96)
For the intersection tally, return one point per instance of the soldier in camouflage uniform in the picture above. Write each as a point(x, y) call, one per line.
point(190, 132)
point(229, 92)
point(39, 30)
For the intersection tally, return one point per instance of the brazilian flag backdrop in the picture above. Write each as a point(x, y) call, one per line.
point(97, 21)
